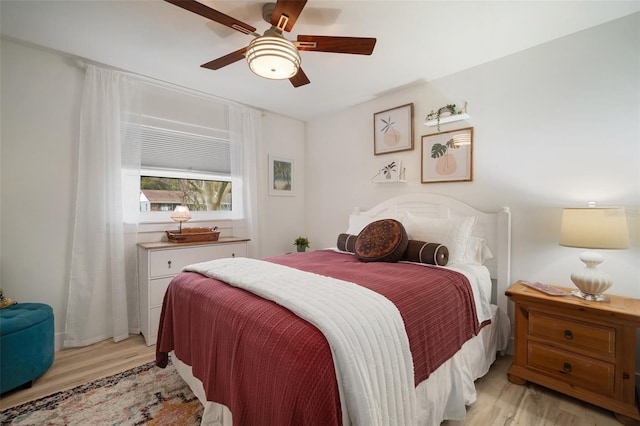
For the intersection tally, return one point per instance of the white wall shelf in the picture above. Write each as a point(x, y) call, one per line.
point(390, 181)
point(448, 119)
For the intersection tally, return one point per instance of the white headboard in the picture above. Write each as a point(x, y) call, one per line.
point(495, 228)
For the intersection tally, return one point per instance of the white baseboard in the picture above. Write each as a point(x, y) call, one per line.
point(57, 341)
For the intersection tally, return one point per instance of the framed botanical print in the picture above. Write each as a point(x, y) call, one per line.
point(448, 156)
point(391, 171)
point(393, 130)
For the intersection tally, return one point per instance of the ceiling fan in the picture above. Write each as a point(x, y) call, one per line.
point(271, 55)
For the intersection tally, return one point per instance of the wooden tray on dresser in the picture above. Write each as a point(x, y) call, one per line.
point(192, 235)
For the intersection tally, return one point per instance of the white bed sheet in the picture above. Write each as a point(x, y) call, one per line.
point(480, 279)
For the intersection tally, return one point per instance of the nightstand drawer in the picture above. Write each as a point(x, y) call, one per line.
point(586, 373)
point(591, 337)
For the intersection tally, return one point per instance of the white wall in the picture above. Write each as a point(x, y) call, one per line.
point(40, 105)
point(282, 217)
point(554, 126)
point(41, 92)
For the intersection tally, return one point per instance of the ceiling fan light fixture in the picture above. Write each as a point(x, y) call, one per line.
point(275, 58)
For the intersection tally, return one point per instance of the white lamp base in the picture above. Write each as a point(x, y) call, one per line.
point(591, 281)
point(591, 297)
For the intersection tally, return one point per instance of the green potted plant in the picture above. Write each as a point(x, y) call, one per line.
point(450, 109)
point(302, 243)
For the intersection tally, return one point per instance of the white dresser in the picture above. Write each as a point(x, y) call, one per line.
point(158, 263)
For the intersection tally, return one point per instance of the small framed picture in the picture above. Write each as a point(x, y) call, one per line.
point(281, 176)
point(448, 156)
point(391, 171)
point(393, 130)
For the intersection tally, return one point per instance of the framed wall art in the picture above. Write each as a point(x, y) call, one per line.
point(281, 176)
point(448, 156)
point(391, 171)
point(393, 130)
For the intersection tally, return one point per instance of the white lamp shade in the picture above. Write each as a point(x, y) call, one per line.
point(181, 214)
point(593, 228)
point(597, 228)
point(275, 58)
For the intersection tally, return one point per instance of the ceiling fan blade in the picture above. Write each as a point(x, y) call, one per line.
point(300, 79)
point(225, 60)
point(214, 15)
point(290, 8)
point(354, 45)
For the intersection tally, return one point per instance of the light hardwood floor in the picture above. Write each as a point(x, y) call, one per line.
point(73, 367)
point(499, 402)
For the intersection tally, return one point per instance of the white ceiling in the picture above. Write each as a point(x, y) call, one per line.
point(416, 41)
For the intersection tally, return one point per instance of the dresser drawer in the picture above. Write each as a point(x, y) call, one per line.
point(575, 334)
point(171, 261)
point(157, 289)
point(159, 262)
point(154, 322)
point(584, 372)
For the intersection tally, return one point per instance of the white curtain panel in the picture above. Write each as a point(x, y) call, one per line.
point(245, 128)
point(102, 302)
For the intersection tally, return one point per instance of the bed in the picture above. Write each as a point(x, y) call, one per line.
point(290, 340)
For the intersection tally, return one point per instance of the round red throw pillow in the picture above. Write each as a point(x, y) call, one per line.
point(381, 241)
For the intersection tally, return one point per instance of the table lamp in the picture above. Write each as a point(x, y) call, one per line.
point(181, 214)
point(593, 228)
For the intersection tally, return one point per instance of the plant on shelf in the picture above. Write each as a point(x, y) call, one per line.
point(302, 243)
point(451, 109)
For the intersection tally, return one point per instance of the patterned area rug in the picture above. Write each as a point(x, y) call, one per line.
point(143, 395)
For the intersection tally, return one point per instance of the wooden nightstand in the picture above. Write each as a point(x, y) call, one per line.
point(583, 349)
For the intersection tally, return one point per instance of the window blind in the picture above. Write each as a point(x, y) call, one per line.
point(163, 148)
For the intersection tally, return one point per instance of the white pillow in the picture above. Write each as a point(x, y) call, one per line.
point(477, 252)
point(454, 233)
point(358, 222)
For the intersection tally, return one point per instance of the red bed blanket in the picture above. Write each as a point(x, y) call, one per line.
point(271, 367)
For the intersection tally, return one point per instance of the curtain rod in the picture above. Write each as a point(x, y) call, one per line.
point(83, 63)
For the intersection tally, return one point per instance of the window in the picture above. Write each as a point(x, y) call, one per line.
point(159, 193)
point(184, 164)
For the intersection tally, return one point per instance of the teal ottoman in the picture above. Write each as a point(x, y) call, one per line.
point(26, 344)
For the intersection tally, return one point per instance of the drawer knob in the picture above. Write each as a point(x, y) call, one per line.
point(233, 255)
point(567, 367)
point(169, 264)
point(568, 334)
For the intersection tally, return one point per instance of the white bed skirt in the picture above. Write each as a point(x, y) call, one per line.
point(443, 396)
